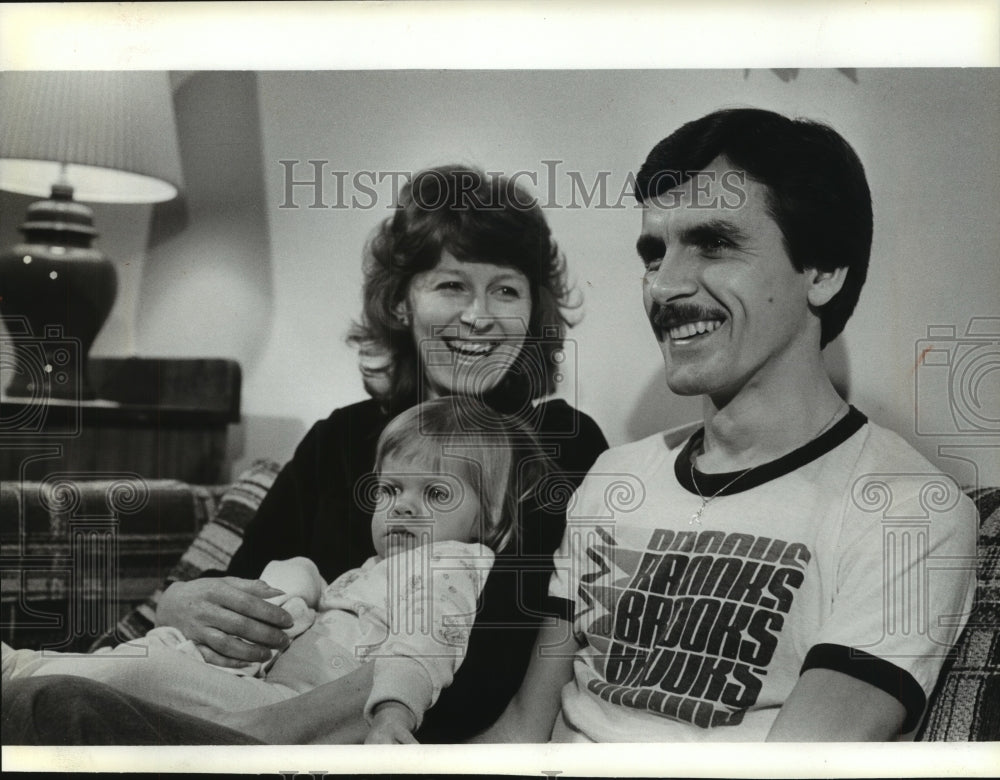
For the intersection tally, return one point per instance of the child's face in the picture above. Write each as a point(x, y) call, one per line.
point(416, 506)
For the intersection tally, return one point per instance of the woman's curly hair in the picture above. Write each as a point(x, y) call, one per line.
point(477, 218)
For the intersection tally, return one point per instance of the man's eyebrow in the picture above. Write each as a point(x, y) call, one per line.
point(650, 247)
point(713, 229)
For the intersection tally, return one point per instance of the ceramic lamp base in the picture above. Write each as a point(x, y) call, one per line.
point(55, 294)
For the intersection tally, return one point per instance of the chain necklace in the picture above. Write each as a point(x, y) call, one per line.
point(696, 517)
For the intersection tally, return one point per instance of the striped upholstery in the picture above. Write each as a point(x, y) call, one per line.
point(965, 706)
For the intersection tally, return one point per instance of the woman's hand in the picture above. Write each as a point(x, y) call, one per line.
point(227, 617)
point(392, 724)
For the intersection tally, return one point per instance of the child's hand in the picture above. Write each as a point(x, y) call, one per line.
point(390, 734)
point(392, 724)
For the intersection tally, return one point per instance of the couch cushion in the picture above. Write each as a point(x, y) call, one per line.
point(965, 706)
point(211, 549)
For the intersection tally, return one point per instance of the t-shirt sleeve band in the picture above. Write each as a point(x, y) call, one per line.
point(885, 676)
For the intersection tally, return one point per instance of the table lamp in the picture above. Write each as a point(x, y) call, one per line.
point(98, 136)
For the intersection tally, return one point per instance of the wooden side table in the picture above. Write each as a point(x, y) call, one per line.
point(159, 418)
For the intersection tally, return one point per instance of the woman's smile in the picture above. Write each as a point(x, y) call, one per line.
point(469, 321)
point(471, 348)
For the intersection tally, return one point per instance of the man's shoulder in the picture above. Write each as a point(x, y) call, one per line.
point(883, 451)
point(891, 473)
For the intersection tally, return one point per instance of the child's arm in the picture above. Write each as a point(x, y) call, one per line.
point(532, 712)
point(427, 627)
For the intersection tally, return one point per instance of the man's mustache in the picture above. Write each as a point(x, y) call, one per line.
point(663, 317)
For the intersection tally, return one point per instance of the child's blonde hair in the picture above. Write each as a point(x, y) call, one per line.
point(496, 454)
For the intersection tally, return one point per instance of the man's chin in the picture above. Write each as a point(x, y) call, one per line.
point(686, 389)
point(690, 383)
point(682, 381)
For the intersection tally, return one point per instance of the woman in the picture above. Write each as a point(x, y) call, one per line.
point(464, 293)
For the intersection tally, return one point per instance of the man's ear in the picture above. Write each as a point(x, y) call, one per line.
point(823, 285)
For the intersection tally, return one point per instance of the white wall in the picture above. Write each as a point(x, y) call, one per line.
point(927, 138)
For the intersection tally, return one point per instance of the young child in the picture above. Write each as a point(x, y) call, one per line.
point(449, 476)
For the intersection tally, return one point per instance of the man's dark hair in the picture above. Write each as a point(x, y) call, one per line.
point(817, 191)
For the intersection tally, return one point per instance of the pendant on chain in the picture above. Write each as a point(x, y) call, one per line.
point(696, 517)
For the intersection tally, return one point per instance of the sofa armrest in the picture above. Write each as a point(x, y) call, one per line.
point(211, 549)
point(75, 548)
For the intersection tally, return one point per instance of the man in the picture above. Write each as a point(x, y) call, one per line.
point(762, 584)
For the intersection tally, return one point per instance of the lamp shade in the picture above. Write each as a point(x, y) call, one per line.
point(113, 130)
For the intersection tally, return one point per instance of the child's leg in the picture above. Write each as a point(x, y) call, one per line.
point(168, 676)
point(17, 663)
point(298, 577)
point(26, 663)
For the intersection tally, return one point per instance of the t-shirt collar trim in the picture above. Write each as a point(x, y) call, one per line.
point(716, 483)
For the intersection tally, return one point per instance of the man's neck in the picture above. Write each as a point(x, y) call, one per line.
point(764, 421)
